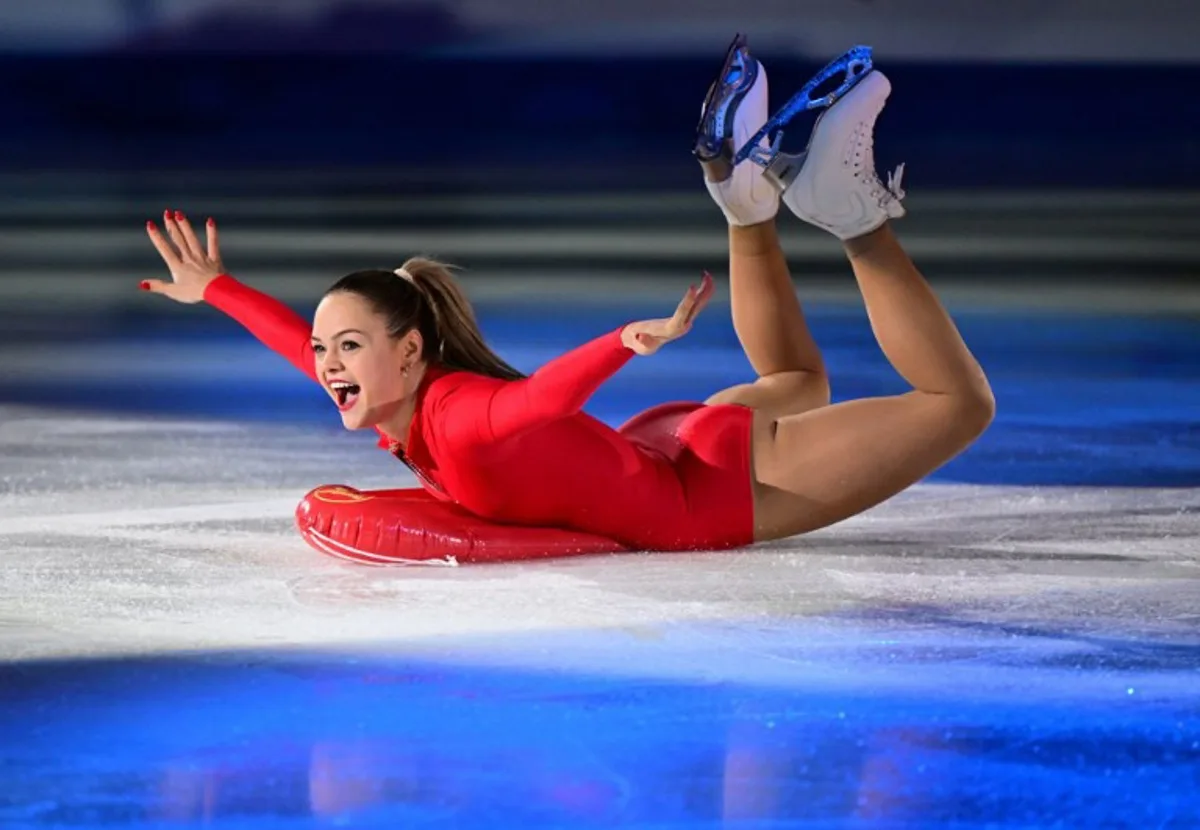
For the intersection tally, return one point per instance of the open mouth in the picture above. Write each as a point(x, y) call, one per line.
point(345, 393)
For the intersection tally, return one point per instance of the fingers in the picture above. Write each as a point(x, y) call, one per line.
point(165, 249)
point(654, 334)
point(181, 243)
point(172, 230)
point(154, 286)
point(189, 236)
point(173, 222)
point(214, 246)
point(684, 308)
point(692, 304)
point(703, 295)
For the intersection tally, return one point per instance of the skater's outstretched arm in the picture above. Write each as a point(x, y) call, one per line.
point(197, 275)
point(561, 387)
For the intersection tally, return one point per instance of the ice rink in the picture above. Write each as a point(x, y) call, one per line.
point(1012, 643)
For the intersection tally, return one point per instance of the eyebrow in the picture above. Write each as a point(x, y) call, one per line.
point(343, 331)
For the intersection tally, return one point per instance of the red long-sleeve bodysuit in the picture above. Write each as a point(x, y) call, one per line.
point(676, 477)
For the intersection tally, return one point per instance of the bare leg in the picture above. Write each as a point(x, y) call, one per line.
point(766, 313)
point(771, 328)
point(823, 466)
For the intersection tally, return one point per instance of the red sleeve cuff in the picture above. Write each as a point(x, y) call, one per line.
point(220, 288)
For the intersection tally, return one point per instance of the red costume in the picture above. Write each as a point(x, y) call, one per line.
point(676, 477)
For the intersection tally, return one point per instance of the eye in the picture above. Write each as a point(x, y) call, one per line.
point(318, 350)
point(349, 346)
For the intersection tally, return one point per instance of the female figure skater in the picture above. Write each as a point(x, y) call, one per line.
point(400, 352)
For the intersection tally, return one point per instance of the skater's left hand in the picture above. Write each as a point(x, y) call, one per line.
point(648, 336)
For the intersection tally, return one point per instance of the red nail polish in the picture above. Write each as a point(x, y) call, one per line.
point(144, 285)
point(150, 225)
point(179, 217)
point(212, 223)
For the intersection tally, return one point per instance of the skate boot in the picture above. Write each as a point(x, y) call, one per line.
point(735, 108)
point(833, 184)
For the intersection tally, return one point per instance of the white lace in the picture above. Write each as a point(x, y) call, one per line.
point(884, 196)
point(893, 183)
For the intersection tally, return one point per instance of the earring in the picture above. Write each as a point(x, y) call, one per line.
point(404, 371)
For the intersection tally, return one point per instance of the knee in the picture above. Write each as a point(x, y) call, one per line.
point(976, 408)
point(822, 393)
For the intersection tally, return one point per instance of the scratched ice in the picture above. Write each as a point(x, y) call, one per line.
point(961, 656)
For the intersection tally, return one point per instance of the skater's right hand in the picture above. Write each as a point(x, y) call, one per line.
point(648, 336)
point(192, 265)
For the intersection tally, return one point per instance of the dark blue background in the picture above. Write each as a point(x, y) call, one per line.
point(573, 121)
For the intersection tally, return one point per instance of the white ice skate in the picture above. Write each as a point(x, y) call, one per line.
point(833, 184)
point(735, 108)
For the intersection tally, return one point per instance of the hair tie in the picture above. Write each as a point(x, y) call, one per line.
point(405, 275)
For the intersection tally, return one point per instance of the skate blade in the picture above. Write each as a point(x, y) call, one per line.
point(856, 63)
point(709, 140)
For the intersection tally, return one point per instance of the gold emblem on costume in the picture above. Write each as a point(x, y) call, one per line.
point(340, 495)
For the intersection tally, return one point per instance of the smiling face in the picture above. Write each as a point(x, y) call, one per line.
point(359, 363)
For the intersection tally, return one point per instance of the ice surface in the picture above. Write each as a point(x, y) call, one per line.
point(125, 535)
point(171, 654)
point(1022, 650)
